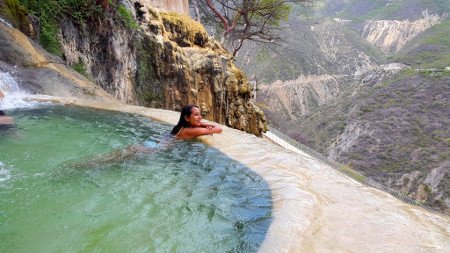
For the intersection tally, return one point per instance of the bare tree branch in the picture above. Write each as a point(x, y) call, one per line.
point(256, 20)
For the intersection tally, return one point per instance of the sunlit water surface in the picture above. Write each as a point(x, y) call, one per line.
point(183, 197)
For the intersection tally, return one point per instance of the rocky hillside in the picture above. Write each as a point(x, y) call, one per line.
point(391, 35)
point(365, 83)
point(431, 50)
point(140, 56)
point(309, 47)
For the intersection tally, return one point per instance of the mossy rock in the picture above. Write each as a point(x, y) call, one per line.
point(16, 14)
point(238, 74)
point(185, 31)
point(242, 80)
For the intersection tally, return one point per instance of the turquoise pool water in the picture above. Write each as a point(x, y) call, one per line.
point(185, 197)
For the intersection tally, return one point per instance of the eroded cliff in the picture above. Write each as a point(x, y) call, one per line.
point(391, 35)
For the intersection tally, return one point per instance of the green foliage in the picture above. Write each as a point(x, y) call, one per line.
point(49, 37)
point(403, 74)
point(184, 30)
point(126, 17)
point(346, 169)
point(434, 73)
point(80, 68)
point(14, 12)
point(447, 141)
point(80, 12)
point(49, 12)
point(365, 109)
point(393, 166)
point(445, 156)
point(148, 87)
point(276, 14)
point(430, 50)
point(439, 35)
point(244, 21)
point(360, 10)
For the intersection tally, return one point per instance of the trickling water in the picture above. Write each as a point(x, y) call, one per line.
point(15, 97)
point(186, 197)
point(5, 22)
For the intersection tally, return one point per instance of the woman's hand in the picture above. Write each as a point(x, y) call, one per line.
point(207, 126)
point(204, 129)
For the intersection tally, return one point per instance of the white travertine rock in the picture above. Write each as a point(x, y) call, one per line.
point(180, 6)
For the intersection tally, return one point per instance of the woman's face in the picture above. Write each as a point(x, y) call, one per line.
point(195, 119)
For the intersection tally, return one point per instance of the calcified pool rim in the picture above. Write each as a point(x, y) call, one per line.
point(315, 208)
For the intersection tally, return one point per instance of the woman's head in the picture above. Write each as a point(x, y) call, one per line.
point(190, 116)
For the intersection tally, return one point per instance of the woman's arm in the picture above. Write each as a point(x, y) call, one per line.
point(206, 125)
point(190, 133)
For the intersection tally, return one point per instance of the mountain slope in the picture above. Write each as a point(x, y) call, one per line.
point(429, 50)
point(390, 131)
point(362, 10)
point(309, 47)
point(383, 113)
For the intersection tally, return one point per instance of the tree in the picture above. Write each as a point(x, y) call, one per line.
point(242, 20)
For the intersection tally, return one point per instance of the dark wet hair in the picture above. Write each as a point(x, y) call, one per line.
point(2, 113)
point(186, 111)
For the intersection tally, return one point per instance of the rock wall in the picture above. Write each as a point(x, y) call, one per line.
point(163, 60)
point(180, 6)
point(185, 66)
point(39, 72)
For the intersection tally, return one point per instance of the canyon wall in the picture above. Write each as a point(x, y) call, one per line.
point(391, 35)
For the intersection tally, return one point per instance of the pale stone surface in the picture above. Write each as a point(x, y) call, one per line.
point(25, 55)
point(316, 208)
point(180, 6)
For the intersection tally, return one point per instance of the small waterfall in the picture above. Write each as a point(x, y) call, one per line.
point(5, 22)
point(15, 97)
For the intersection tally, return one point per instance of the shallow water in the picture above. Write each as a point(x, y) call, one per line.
point(185, 197)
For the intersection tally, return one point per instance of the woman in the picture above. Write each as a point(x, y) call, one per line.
point(190, 124)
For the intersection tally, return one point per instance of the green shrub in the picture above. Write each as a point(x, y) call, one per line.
point(14, 12)
point(49, 37)
point(447, 141)
point(434, 73)
point(80, 68)
point(49, 12)
point(184, 30)
point(126, 17)
point(346, 169)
